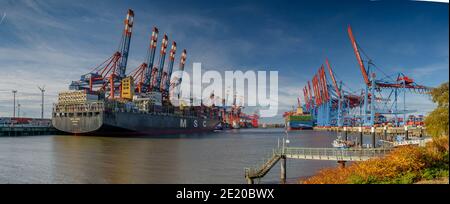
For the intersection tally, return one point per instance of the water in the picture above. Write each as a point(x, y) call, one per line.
point(205, 158)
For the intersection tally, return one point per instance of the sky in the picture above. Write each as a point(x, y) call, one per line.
point(53, 42)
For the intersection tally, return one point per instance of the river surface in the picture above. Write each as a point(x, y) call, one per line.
point(218, 157)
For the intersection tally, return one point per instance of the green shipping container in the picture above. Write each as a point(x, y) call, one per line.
point(299, 118)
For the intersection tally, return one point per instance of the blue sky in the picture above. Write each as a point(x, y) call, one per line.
point(53, 42)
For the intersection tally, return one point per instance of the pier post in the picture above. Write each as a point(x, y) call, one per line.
point(283, 169)
point(249, 181)
point(373, 136)
point(385, 133)
point(421, 132)
point(360, 137)
point(341, 164)
point(345, 133)
point(406, 133)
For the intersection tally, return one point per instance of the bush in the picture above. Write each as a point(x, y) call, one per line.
point(432, 173)
point(437, 121)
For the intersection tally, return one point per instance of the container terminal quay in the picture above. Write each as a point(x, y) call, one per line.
point(114, 101)
point(109, 100)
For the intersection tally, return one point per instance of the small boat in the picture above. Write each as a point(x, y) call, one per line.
point(219, 127)
point(235, 125)
point(339, 143)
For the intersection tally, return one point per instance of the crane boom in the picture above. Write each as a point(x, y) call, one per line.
point(157, 71)
point(182, 63)
point(358, 56)
point(151, 57)
point(324, 83)
point(165, 83)
point(177, 81)
point(316, 90)
point(336, 88)
point(320, 87)
point(125, 43)
point(305, 95)
point(309, 91)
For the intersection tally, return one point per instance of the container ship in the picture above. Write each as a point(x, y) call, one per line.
point(298, 120)
point(107, 101)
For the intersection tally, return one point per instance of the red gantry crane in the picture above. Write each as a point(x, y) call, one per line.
point(157, 70)
point(165, 80)
point(112, 70)
point(142, 74)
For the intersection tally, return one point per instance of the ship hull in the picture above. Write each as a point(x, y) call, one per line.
point(133, 124)
point(299, 122)
point(299, 128)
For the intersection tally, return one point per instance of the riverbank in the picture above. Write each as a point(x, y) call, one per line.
point(405, 165)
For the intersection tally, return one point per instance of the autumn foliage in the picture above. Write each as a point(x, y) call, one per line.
point(403, 165)
point(437, 121)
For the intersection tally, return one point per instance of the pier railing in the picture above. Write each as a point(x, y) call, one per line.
point(331, 154)
point(419, 141)
point(359, 154)
point(264, 167)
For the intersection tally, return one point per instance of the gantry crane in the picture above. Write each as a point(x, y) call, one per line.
point(167, 73)
point(327, 102)
point(395, 85)
point(108, 74)
point(157, 70)
point(142, 74)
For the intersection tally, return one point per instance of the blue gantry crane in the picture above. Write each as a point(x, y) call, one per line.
point(381, 95)
point(331, 105)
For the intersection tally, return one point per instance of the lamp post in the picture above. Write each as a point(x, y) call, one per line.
point(42, 104)
point(14, 103)
point(18, 110)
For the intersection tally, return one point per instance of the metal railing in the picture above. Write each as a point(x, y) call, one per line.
point(260, 169)
point(420, 142)
point(334, 153)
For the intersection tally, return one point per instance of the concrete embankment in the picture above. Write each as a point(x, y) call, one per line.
point(27, 131)
point(412, 131)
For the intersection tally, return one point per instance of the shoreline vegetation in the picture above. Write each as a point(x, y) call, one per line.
point(404, 165)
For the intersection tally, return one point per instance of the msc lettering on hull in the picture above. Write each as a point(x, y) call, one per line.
point(183, 123)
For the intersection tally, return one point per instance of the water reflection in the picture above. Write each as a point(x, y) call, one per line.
point(201, 158)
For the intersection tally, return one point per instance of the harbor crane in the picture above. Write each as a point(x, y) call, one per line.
point(394, 85)
point(157, 70)
point(142, 74)
point(111, 71)
point(331, 105)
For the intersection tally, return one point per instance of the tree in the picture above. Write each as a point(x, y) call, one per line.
point(437, 120)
